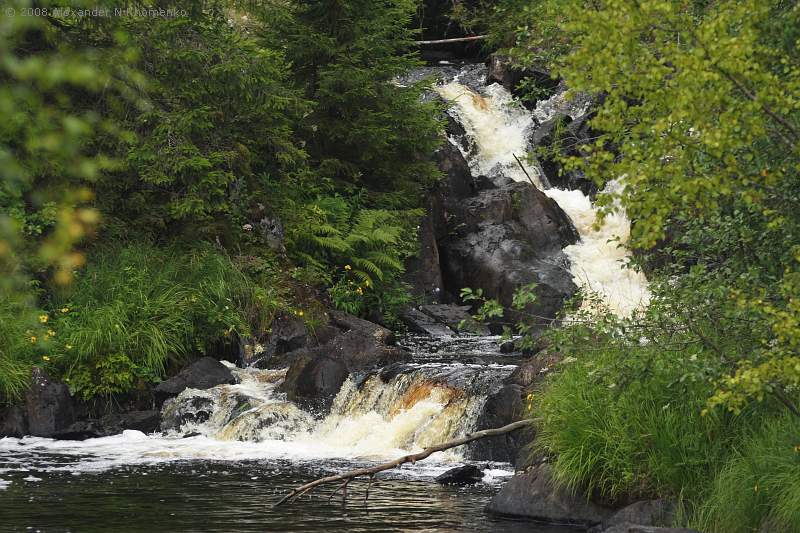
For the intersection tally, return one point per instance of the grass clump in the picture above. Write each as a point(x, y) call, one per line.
point(139, 308)
point(758, 488)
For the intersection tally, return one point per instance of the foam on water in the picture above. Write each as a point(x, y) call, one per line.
point(371, 421)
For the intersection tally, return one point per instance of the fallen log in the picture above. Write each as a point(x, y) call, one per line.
point(347, 477)
point(453, 40)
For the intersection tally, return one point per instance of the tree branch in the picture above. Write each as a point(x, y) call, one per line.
point(411, 458)
point(455, 40)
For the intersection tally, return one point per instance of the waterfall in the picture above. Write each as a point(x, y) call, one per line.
point(497, 129)
point(376, 416)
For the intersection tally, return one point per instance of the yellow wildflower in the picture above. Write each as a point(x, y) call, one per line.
point(65, 309)
point(347, 267)
point(300, 313)
point(68, 346)
point(45, 358)
point(43, 319)
point(359, 290)
point(797, 449)
point(51, 333)
point(33, 339)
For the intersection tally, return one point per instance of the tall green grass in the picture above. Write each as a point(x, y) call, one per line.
point(642, 439)
point(18, 326)
point(758, 488)
point(139, 308)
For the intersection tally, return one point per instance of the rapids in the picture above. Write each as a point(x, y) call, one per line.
point(498, 129)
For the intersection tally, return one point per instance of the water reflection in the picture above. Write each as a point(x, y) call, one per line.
point(235, 497)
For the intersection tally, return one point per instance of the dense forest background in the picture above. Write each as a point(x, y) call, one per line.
point(171, 184)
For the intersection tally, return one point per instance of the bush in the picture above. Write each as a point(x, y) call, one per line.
point(137, 309)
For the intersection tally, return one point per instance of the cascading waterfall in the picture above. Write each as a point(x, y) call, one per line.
point(497, 130)
point(378, 416)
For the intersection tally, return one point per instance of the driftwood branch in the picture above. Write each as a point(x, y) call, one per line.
point(454, 40)
point(347, 477)
point(524, 170)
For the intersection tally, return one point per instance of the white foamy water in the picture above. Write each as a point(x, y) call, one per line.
point(373, 422)
point(499, 129)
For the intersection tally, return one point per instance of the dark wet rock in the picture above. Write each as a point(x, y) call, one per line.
point(636, 528)
point(48, 405)
point(501, 70)
point(508, 347)
point(453, 315)
point(651, 513)
point(145, 421)
point(13, 422)
point(534, 369)
point(316, 375)
point(314, 380)
point(567, 135)
point(82, 430)
point(419, 322)
point(347, 323)
point(533, 495)
point(202, 374)
point(287, 332)
point(461, 475)
point(423, 271)
point(500, 239)
point(195, 409)
point(502, 408)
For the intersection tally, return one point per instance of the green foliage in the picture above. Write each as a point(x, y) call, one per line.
point(22, 339)
point(347, 55)
point(758, 489)
point(137, 309)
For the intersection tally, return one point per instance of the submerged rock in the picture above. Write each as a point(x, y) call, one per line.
point(461, 475)
point(533, 495)
point(202, 374)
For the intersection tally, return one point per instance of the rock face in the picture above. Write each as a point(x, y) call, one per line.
point(316, 374)
point(568, 135)
point(48, 406)
point(461, 475)
point(501, 408)
point(497, 234)
point(203, 374)
point(532, 495)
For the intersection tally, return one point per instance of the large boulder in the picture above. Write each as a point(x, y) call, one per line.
point(48, 405)
point(533, 495)
point(202, 374)
point(315, 375)
point(501, 238)
point(500, 409)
